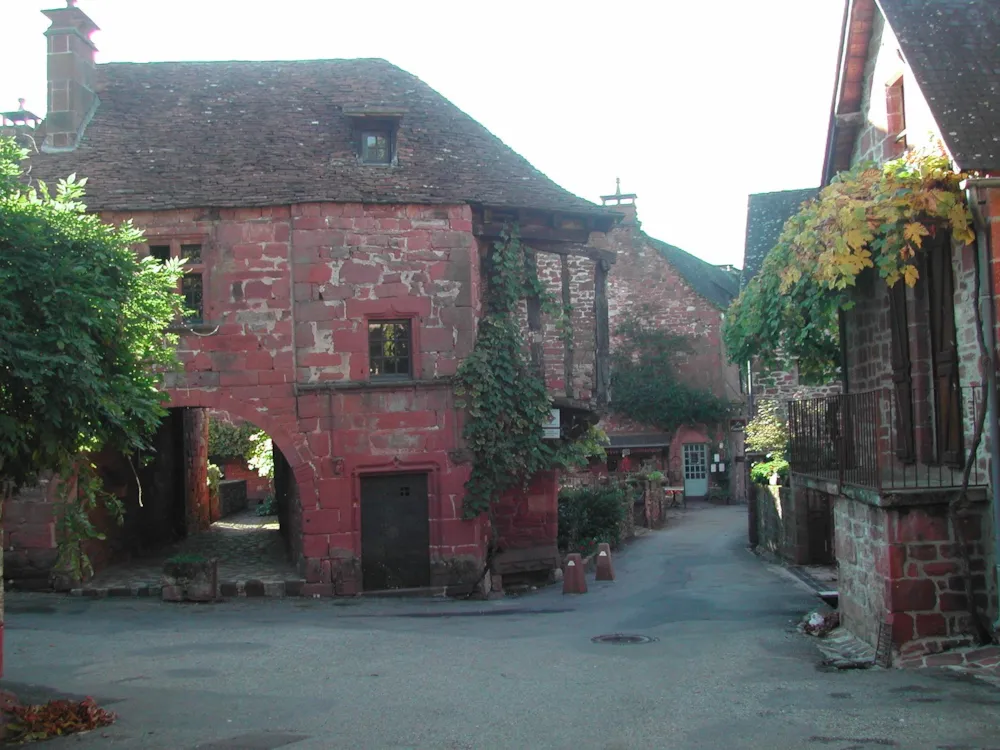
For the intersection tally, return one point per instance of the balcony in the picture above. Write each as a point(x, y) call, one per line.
point(854, 440)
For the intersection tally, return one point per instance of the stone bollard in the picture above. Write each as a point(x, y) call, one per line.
point(605, 570)
point(574, 580)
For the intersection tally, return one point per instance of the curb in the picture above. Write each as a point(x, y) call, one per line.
point(251, 589)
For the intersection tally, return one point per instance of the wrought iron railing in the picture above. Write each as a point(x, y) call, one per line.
point(857, 439)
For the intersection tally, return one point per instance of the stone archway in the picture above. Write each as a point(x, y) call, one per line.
point(300, 469)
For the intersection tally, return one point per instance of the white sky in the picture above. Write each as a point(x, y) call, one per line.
point(693, 105)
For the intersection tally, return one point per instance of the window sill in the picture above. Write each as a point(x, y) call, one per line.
point(201, 328)
point(366, 385)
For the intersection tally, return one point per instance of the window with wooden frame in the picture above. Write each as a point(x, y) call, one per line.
point(944, 350)
point(895, 108)
point(390, 349)
point(192, 283)
point(375, 139)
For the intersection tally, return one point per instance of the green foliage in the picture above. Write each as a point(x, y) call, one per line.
point(214, 477)
point(589, 516)
point(269, 507)
point(75, 520)
point(760, 472)
point(505, 396)
point(655, 476)
point(868, 217)
point(767, 432)
point(226, 440)
point(260, 457)
point(644, 382)
point(82, 330)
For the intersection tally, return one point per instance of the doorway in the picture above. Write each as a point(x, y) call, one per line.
point(395, 532)
point(695, 469)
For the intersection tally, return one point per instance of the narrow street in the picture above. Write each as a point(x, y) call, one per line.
point(727, 669)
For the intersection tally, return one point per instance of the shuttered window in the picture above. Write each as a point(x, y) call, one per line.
point(902, 378)
point(944, 352)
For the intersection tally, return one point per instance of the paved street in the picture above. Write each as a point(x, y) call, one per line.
point(728, 670)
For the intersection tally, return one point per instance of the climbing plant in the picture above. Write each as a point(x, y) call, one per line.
point(504, 393)
point(869, 217)
point(644, 382)
point(227, 440)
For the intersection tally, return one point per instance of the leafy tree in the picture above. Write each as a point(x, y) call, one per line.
point(644, 382)
point(767, 432)
point(83, 341)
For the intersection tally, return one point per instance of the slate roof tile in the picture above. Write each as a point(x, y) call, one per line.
point(224, 134)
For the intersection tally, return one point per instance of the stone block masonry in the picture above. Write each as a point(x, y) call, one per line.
point(289, 293)
point(903, 565)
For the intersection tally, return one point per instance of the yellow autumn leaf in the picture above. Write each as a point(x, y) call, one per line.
point(910, 275)
point(915, 232)
point(855, 239)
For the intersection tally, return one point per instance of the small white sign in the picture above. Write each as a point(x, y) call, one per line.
point(713, 468)
point(551, 429)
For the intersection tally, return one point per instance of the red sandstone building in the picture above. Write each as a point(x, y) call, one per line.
point(886, 457)
point(335, 216)
point(677, 292)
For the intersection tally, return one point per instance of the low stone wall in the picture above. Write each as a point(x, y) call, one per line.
point(902, 565)
point(232, 496)
point(794, 524)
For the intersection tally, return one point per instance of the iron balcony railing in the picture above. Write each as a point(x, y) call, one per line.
point(857, 439)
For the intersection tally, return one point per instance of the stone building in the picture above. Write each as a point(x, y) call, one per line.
point(887, 456)
point(335, 216)
point(680, 293)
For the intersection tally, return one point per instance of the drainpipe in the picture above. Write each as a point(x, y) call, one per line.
point(972, 196)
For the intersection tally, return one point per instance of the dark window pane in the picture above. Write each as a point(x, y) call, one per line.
point(389, 348)
point(191, 287)
point(375, 148)
point(160, 252)
point(191, 252)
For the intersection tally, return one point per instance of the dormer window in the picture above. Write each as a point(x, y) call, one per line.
point(376, 147)
point(375, 129)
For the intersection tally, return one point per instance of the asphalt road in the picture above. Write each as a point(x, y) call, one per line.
point(727, 671)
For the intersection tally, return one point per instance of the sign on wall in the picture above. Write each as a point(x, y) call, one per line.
point(551, 429)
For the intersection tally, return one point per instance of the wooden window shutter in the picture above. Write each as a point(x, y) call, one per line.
point(944, 353)
point(902, 383)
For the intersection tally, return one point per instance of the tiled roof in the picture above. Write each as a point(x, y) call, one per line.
point(953, 48)
point(766, 217)
point(186, 134)
point(716, 285)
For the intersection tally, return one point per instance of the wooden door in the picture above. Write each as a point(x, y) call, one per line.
point(695, 470)
point(944, 353)
point(395, 532)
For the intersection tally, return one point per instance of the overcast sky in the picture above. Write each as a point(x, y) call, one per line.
point(692, 105)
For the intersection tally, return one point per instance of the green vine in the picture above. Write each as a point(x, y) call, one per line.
point(504, 393)
point(644, 382)
point(75, 523)
point(869, 217)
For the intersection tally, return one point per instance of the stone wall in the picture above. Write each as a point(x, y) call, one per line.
point(903, 565)
point(794, 524)
point(29, 535)
point(258, 487)
point(232, 496)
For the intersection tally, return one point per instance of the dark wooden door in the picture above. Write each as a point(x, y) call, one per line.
point(395, 532)
point(944, 353)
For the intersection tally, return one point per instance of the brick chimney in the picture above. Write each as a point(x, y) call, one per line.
point(72, 73)
point(623, 203)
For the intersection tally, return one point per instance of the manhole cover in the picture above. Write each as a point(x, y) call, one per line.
point(623, 639)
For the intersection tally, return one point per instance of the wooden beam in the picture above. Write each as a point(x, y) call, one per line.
point(585, 251)
point(534, 305)
point(567, 300)
point(533, 232)
point(602, 369)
